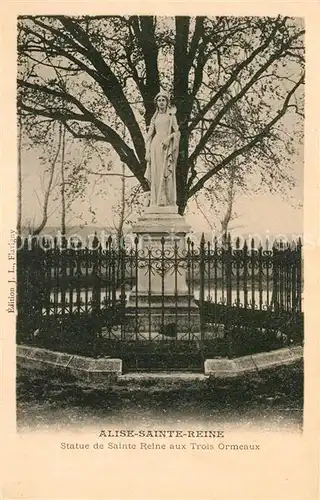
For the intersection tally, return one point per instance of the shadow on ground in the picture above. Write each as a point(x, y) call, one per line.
point(272, 402)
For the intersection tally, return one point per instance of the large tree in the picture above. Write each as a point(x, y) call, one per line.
point(99, 75)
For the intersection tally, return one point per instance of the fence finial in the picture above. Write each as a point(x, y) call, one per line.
point(95, 241)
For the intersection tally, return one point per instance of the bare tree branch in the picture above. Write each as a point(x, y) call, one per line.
point(249, 145)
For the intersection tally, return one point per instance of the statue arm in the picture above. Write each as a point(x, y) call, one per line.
point(175, 129)
point(149, 137)
point(174, 137)
point(175, 125)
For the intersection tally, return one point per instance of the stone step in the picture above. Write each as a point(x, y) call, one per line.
point(139, 376)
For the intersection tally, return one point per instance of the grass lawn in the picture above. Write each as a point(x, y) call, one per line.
point(274, 402)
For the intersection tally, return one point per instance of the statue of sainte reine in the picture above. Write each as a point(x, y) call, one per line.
point(162, 149)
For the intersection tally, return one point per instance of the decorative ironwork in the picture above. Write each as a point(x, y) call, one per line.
point(217, 291)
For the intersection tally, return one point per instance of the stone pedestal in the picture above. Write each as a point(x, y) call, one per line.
point(162, 304)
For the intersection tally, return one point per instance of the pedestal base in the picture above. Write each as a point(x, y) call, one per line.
point(161, 221)
point(163, 314)
point(162, 304)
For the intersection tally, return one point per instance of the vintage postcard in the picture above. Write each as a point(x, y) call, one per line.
point(160, 230)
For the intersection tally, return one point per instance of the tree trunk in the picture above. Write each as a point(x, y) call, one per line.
point(230, 200)
point(48, 190)
point(150, 53)
point(123, 203)
point(182, 101)
point(63, 187)
point(19, 215)
point(181, 174)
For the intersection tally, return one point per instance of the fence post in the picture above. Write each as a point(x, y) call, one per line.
point(299, 288)
point(299, 273)
point(136, 266)
point(274, 299)
point(252, 265)
point(201, 291)
point(122, 251)
point(22, 292)
point(96, 284)
point(190, 284)
point(245, 275)
point(37, 283)
point(228, 270)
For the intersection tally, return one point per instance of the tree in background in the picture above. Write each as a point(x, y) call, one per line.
point(216, 202)
point(217, 199)
point(112, 67)
point(66, 175)
point(48, 174)
point(20, 139)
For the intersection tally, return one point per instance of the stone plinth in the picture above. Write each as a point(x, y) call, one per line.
point(162, 297)
point(161, 221)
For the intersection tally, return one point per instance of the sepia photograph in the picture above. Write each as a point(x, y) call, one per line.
point(159, 243)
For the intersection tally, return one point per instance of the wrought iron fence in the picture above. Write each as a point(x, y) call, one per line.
point(226, 299)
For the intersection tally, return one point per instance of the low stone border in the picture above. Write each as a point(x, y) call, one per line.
point(228, 368)
point(108, 369)
point(82, 368)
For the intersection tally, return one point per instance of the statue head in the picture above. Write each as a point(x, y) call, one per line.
point(162, 101)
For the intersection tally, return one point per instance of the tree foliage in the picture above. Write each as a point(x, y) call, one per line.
point(236, 81)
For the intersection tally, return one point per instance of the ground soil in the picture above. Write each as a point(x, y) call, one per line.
point(271, 402)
